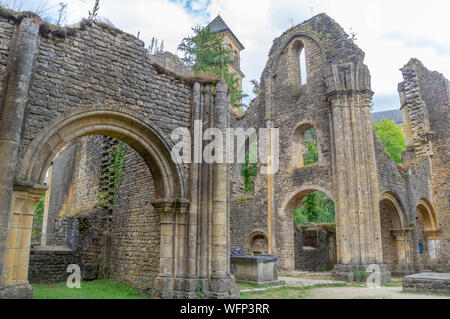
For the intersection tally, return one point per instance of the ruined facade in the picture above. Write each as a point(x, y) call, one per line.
point(392, 215)
point(68, 95)
point(59, 85)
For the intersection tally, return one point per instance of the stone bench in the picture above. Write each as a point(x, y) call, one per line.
point(261, 269)
point(427, 282)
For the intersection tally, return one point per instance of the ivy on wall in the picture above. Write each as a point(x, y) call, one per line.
point(38, 221)
point(112, 177)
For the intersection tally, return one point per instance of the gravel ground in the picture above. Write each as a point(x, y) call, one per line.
point(367, 293)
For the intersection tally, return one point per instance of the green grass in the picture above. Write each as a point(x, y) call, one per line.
point(247, 285)
point(99, 289)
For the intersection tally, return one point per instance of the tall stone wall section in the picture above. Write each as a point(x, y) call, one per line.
point(425, 97)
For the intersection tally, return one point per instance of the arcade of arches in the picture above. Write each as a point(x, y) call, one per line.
point(59, 97)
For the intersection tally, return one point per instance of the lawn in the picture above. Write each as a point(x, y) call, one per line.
point(99, 289)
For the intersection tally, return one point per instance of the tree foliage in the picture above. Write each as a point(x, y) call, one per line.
point(311, 153)
point(205, 52)
point(249, 170)
point(38, 221)
point(315, 207)
point(392, 138)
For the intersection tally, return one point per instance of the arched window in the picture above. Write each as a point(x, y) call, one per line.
point(305, 150)
point(299, 62)
point(236, 58)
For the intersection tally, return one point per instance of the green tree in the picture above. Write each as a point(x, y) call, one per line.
point(392, 138)
point(205, 52)
point(311, 153)
point(315, 208)
point(249, 169)
point(38, 221)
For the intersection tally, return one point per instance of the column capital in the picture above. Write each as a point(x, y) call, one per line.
point(400, 234)
point(433, 234)
point(167, 205)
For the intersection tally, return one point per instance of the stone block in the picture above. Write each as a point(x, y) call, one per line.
point(256, 269)
point(427, 282)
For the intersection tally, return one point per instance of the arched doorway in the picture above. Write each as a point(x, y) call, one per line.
point(145, 138)
point(306, 236)
point(427, 231)
point(396, 233)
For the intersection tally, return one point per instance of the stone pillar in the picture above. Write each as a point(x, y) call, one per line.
point(18, 243)
point(219, 283)
point(173, 246)
point(23, 54)
point(355, 176)
point(405, 254)
point(166, 278)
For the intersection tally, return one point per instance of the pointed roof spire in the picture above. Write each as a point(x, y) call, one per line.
point(218, 25)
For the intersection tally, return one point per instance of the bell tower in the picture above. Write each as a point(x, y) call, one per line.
point(232, 43)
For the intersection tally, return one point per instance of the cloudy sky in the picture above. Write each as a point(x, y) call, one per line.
point(389, 31)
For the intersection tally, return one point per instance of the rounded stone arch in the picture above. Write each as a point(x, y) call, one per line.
point(393, 202)
point(426, 210)
point(291, 38)
point(128, 126)
point(262, 245)
point(297, 138)
point(286, 226)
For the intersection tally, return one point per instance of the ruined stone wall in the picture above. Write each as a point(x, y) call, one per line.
point(317, 253)
point(425, 104)
point(84, 190)
point(6, 33)
point(135, 231)
point(102, 66)
point(50, 265)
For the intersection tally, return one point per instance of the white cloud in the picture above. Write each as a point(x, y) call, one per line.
point(389, 32)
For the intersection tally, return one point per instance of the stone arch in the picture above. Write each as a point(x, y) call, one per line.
point(297, 52)
point(428, 230)
point(396, 236)
point(425, 208)
point(297, 147)
point(393, 201)
point(286, 225)
point(119, 123)
point(257, 242)
point(298, 34)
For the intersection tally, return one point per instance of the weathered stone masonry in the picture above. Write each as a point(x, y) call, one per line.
point(97, 80)
point(379, 204)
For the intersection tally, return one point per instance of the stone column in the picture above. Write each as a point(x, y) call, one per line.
point(18, 243)
point(23, 54)
point(166, 278)
point(403, 245)
point(219, 282)
point(355, 176)
point(173, 246)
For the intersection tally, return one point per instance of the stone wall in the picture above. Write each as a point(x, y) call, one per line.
point(50, 264)
point(135, 227)
point(315, 247)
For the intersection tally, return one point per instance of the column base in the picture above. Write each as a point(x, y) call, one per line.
point(358, 273)
point(194, 288)
point(16, 291)
point(223, 288)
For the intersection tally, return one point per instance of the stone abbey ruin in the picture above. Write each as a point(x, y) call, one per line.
point(74, 98)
